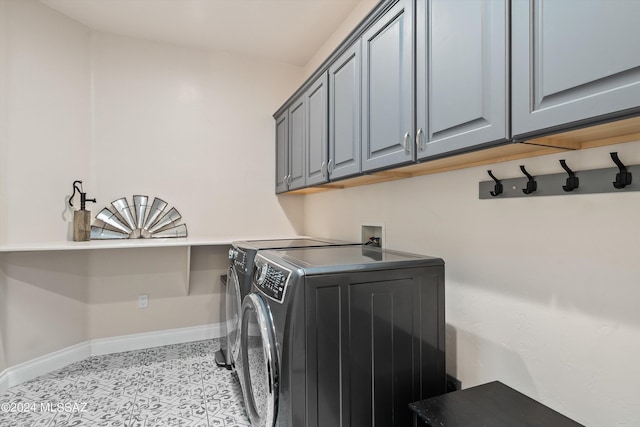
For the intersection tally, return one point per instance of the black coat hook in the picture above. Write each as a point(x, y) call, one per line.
point(623, 178)
point(497, 190)
point(532, 185)
point(572, 182)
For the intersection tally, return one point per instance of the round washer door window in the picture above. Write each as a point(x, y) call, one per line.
point(233, 305)
point(259, 362)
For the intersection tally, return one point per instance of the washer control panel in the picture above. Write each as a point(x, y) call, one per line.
point(238, 258)
point(271, 279)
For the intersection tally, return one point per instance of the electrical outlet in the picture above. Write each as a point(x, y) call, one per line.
point(143, 301)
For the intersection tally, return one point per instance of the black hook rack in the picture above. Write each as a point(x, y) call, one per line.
point(623, 178)
point(497, 189)
point(591, 181)
point(532, 185)
point(573, 181)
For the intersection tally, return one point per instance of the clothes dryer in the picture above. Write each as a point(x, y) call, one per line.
point(241, 257)
point(346, 335)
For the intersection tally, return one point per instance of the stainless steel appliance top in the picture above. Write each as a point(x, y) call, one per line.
point(321, 260)
point(288, 243)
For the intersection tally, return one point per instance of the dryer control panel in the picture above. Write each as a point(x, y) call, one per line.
point(238, 258)
point(271, 279)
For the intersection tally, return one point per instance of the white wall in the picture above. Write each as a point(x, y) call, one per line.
point(45, 303)
point(358, 13)
point(541, 293)
point(112, 300)
point(131, 117)
point(44, 146)
point(126, 116)
point(192, 127)
point(45, 112)
point(3, 322)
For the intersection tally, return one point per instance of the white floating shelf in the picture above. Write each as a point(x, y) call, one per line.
point(178, 242)
point(107, 244)
point(131, 243)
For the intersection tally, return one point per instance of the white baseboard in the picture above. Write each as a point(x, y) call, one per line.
point(42, 365)
point(155, 339)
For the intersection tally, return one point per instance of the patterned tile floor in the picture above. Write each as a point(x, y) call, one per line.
point(175, 385)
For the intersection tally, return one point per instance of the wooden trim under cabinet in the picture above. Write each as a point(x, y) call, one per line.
point(609, 133)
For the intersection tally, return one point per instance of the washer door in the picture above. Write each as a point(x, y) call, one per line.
point(260, 368)
point(233, 305)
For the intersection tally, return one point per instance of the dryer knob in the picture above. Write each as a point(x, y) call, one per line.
point(261, 277)
point(233, 253)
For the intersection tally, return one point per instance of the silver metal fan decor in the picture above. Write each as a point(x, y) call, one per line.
point(142, 220)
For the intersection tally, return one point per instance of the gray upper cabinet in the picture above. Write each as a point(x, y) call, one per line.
point(282, 151)
point(316, 137)
point(461, 75)
point(573, 60)
point(387, 92)
point(345, 113)
point(297, 144)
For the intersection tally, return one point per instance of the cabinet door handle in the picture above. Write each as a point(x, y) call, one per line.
point(419, 145)
point(323, 169)
point(330, 166)
point(406, 143)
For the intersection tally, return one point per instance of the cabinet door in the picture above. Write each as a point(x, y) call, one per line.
point(344, 114)
point(387, 95)
point(282, 151)
point(461, 75)
point(317, 132)
point(375, 343)
point(296, 144)
point(381, 321)
point(573, 61)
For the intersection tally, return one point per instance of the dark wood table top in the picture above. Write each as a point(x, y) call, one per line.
point(489, 405)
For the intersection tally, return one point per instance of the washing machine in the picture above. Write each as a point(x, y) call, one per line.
point(241, 256)
point(341, 335)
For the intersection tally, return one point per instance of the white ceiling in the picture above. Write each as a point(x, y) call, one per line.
point(289, 31)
